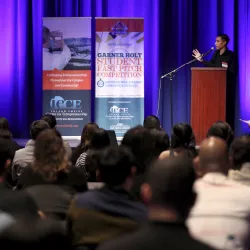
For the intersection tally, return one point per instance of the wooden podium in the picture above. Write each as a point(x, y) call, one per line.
point(208, 99)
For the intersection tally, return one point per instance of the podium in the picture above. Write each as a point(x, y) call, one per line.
point(208, 99)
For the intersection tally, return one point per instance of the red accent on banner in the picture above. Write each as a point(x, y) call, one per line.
point(66, 79)
point(104, 25)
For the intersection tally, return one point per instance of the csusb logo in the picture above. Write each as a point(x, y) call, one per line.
point(59, 103)
point(116, 109)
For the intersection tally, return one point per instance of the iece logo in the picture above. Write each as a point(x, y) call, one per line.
point(59, 103)
point(117, 110)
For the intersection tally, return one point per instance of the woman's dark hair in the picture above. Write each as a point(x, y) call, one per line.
point(50, 156)
point(141, 143)
point(240, 151)
point(50, 119)
point(5, 133)
point(222, 130)
point(86, 137)
point(87, 133)
point(4, 124)
point(161, 141)
point(4, 128)
point(100, 140)
point(183, 137)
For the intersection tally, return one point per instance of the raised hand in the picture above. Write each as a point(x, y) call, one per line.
point(197, 55)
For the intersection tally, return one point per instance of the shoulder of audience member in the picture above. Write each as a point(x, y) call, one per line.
point(84, 200)
point(19, 152)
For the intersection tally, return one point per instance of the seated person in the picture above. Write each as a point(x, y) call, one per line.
point(103, 214)
point(182, 142)
point(168, 191)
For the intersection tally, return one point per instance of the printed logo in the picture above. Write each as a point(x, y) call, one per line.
point(100, 83)
point(119, 29)
point(59, 103)
point(117, 110)
point(120, 126)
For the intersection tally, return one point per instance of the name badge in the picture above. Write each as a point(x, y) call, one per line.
point(224, 65)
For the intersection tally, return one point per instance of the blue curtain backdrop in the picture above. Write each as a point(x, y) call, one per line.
point(172, 29)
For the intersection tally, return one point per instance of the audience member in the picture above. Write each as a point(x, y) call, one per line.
point(222, 211)
point(6, 156)
point(32, 234)
point(52, 200)
point(5, 133)
point(161, 141)
point(86, 137)
point(222, 130)
point(51, 120)
point(4, 123)
point(51, 165)
point(100, 215)
point(240, 157)
point(152, 122)
point(19, 205)
point(141, 143)
point(99, 141)
point(168, 191)
point(182, 142)
point(6, 139)
point(25, 156)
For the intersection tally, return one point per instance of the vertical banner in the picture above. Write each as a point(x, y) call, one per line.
point(119, 86)
point(67, 72)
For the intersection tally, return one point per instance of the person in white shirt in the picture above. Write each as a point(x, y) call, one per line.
point(25, 156)
point(51, 60)
point(240, 157)
point(221, 215)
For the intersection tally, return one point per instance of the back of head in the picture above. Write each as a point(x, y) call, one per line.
point(213, 156)
point(49, 154)
point(240, 151)
point(152, 122)
point(171, 181)
point(37, 127)
point(4, 123)
point(52, 200)
point(141, 143)
point(19, 204)
point(115, 165)
point(4, 128)
point(50, 119)
point(161, 141)
point(5, 133)
point(100, 139)
point(39, 235)
point(222, 130)
point(6, 153)
point(87, 132)
point(183, 137)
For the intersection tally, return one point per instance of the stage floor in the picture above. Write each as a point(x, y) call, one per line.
point(73, 143)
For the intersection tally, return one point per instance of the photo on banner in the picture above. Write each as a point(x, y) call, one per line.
point(119, 81)
point(67, 73)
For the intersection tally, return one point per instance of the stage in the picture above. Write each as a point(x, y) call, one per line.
point(72, 142)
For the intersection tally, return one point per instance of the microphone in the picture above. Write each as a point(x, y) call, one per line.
point(203, 55)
